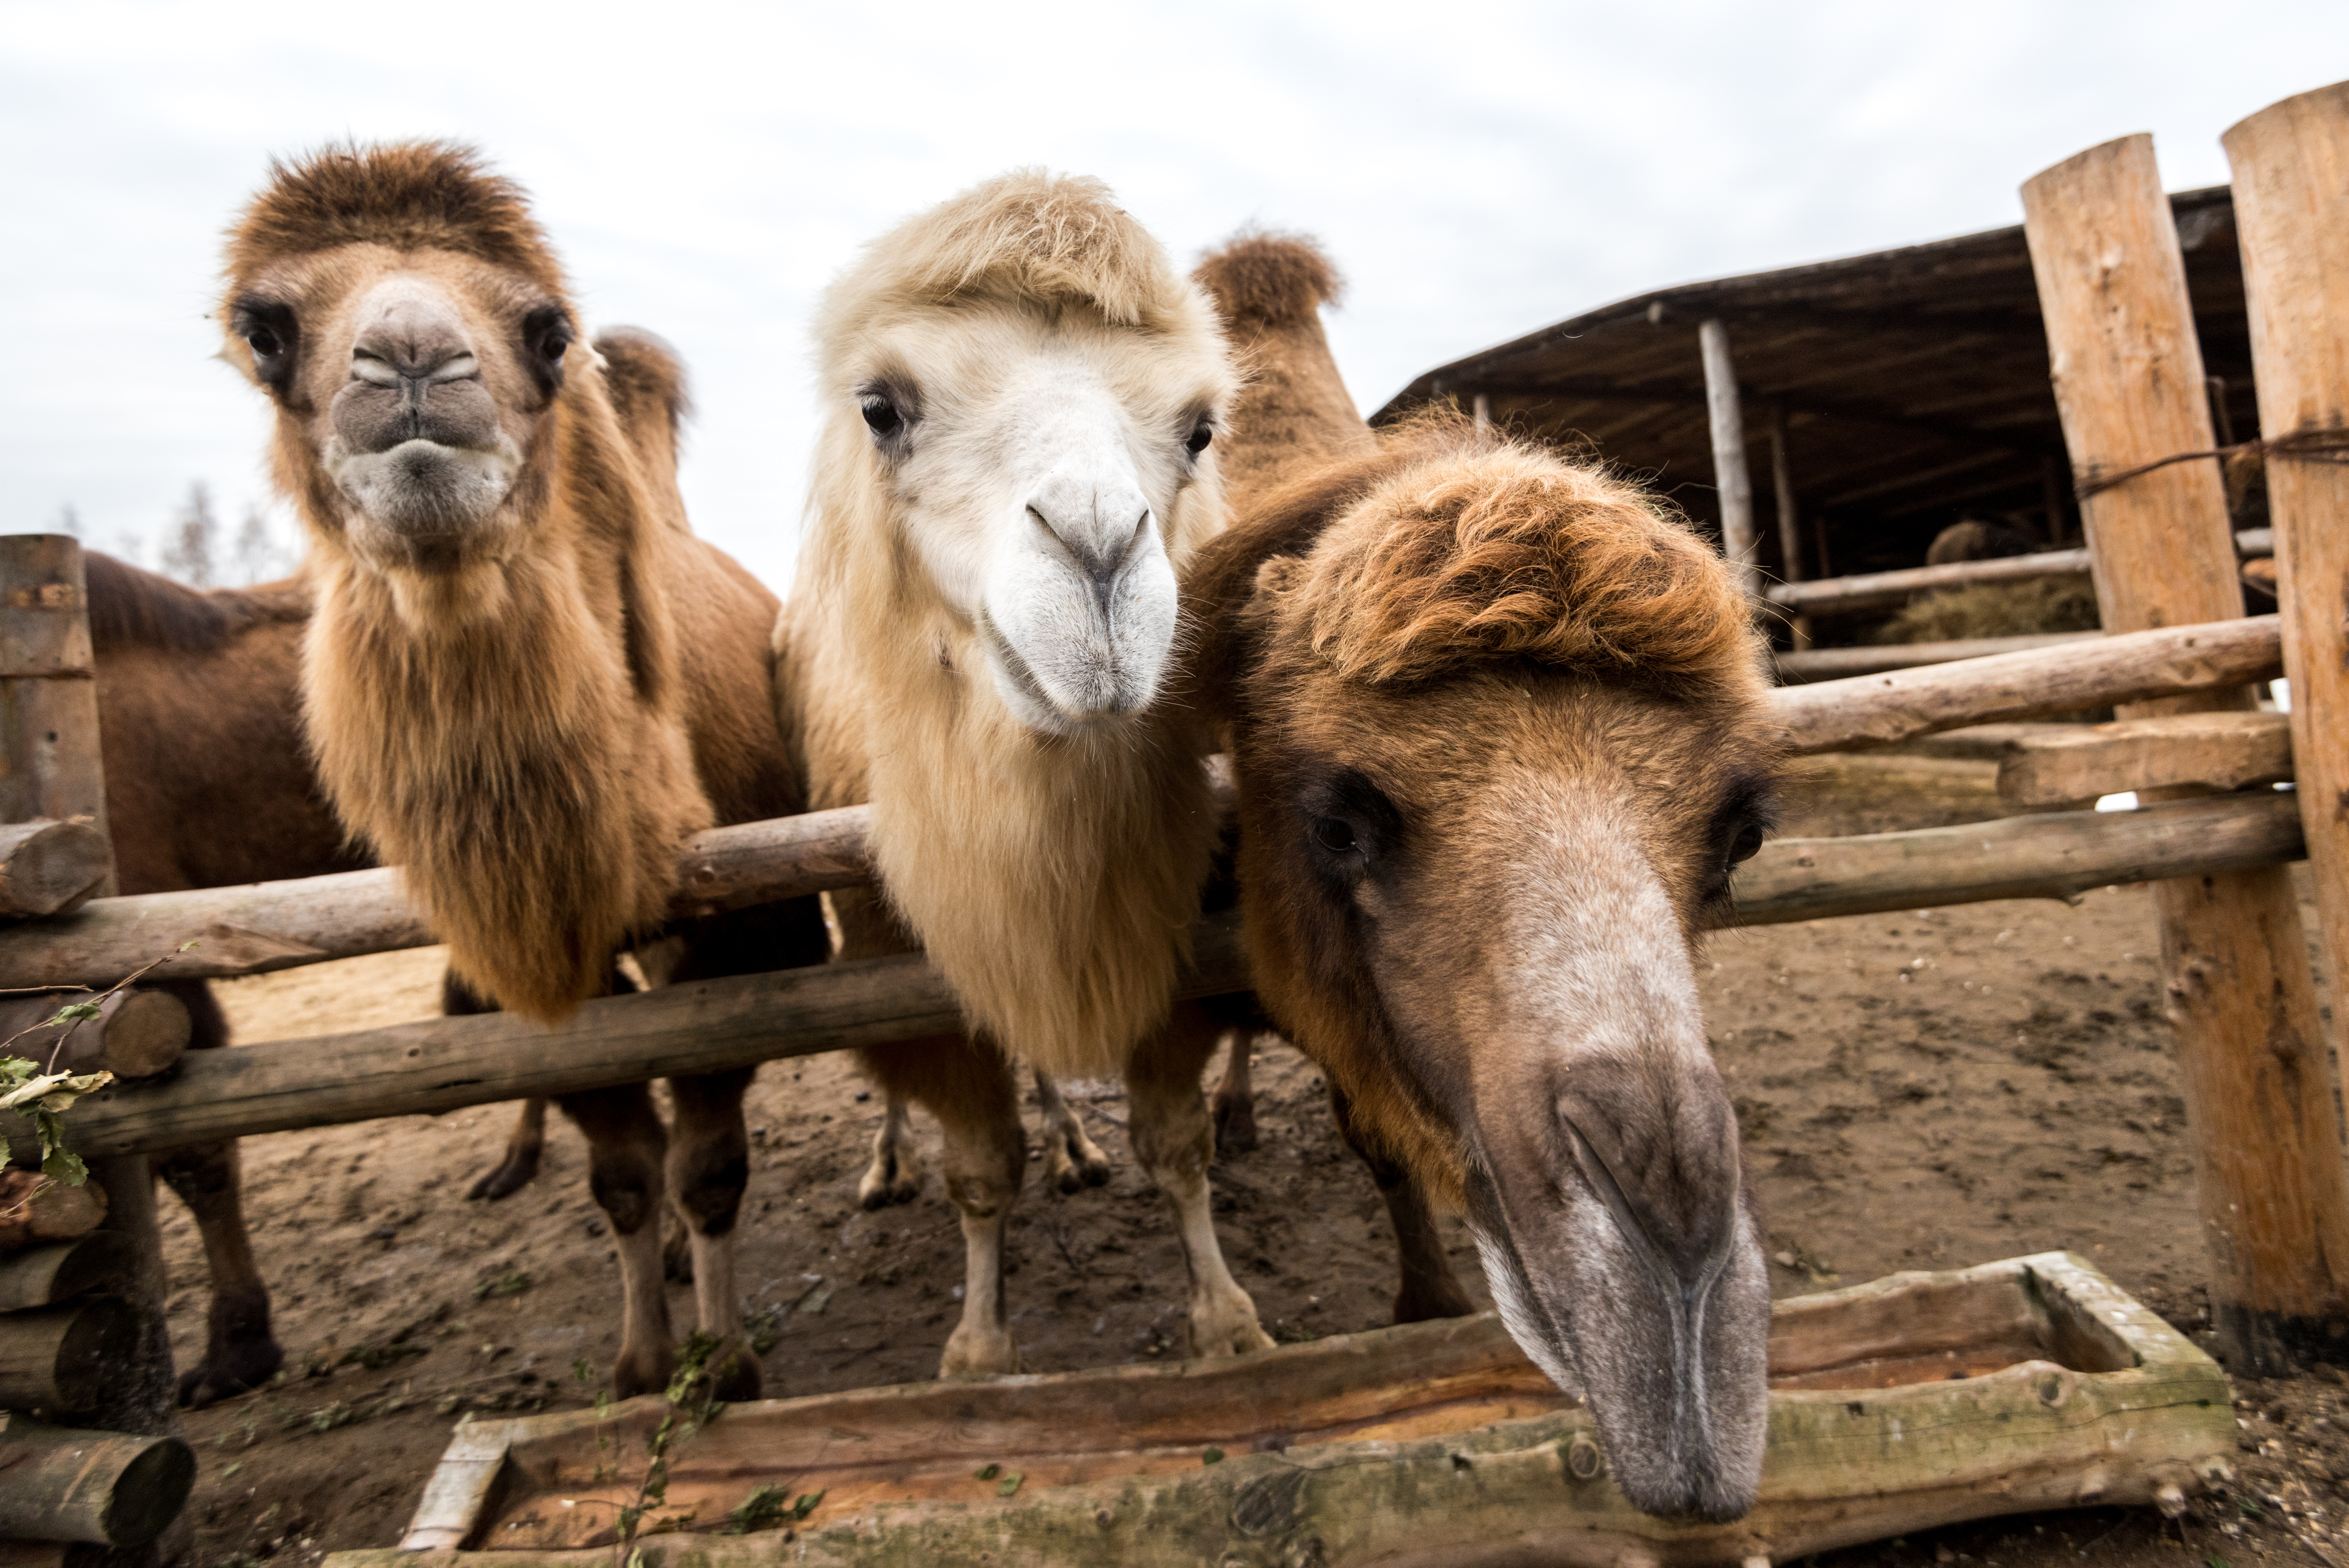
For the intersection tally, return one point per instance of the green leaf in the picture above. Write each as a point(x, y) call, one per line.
point(75, 1012)
point(1212, 1457)
point(989, 1472)
point(1009, 1484)
point(806, 1503)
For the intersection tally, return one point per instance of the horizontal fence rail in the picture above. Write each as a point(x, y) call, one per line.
point(1800, 665)
point(706, 1026)
point(270, 926)
point(1869, 588)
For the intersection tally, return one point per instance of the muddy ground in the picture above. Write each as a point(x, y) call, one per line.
point(1915, 1091)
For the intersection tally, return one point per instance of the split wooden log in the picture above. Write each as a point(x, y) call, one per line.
point(2058, 765)
point(1878, 709)
point(2055, 855)
point(136, 1034)
point(48, 688)
point(52, 1276)
point(2252, 1065)
point(47, 867)
point(106, 1489)
point(61, 1358)
point(36, 1209)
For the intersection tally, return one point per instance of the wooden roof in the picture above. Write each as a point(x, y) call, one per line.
point(1913, 384)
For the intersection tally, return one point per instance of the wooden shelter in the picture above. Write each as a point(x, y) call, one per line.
point(1880, 396)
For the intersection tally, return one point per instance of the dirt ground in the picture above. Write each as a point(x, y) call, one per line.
point(1917, 1090)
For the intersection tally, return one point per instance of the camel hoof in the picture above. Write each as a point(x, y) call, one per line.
point(1074, 1163)
point(1420, 1301)
point(677, 1256)
point(512, 1174)
point(888, 1181)
point(733, 1373)
point(1234, 1124)
point(238, 1367)
point(968, 1352)
point(646, 1371)
point(1224, 1328)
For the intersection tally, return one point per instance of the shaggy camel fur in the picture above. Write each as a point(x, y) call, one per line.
point(526, 684)
point(1015, 461)
point(1293, 413)
point(208, 785)
point(1500, 736)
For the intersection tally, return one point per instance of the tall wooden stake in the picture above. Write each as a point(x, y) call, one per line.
point(2274, 1191)
point(1731, 477)
point(2291, 207)
point(1790, 528)
point(50, 766)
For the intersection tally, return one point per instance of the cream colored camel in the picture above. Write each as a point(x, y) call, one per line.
point(1022, 397)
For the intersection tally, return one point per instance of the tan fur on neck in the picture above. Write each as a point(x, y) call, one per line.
point(1053, 882)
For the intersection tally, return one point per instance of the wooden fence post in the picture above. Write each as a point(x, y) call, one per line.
point(1731, 477)
point(2291, 207)
point(50, 767)
point(2128, 370)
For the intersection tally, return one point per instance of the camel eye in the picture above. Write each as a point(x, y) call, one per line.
point(1201, 434)
point(264, 343)
point(547, 332)
point(1334, 835)
point(881, 415)
point(1747, 844)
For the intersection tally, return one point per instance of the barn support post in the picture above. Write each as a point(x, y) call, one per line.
point(1731, 479)
point(1790, 527)
point(2128, 378)
point(2291, 164)
point(50, 767)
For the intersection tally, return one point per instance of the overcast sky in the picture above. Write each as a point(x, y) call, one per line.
point(1476, 170)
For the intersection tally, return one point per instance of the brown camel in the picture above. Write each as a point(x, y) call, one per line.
point(526, 684)
point(1016, 460)
point(1499, 729)
point(208, 784)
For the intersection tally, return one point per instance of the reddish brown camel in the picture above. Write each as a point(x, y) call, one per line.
point(1499, 731)
point(526, 682)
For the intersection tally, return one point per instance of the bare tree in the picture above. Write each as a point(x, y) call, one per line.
point(258, 555)
point(187, 551)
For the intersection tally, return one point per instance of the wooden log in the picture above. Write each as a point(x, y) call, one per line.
point(1790, 524)
point(56, 1273)
point(448, 1064)
point(48, 867)
point(2271, 1181)
point(106, 1489)
point(1895, 587)
point(2290, 167)
point(136, 1034)
point(36, 1209)
point(1802, 666)
point(61, 1358)
point(2053, 855)
point(48, 688)
point(1733, 482)
point(1895, 705)
point(2056, 765)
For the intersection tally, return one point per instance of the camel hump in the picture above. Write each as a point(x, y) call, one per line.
point(647, 375)
point(133, 609)
point(1277, 280)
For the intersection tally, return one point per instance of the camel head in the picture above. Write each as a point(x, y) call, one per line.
point(1499, 733)
point(1022, 396)
point(403, 311)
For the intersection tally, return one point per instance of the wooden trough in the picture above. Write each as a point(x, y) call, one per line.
point(1918, 1400)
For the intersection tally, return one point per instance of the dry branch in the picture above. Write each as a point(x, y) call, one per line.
point(136, 1034)
point(1877, 709)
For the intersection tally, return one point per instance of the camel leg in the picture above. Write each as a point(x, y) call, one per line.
point(1232, 1102)
point(1175, 1141)
point(895, 1174)
point(240, 1352)
point(1429, 1289)
point(1071, 1160)
point(625, 1146)
point(967, 1084)
point(527, 1142)
point(708, 1166)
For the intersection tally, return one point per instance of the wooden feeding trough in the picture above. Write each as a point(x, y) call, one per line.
point(1920, 1399)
